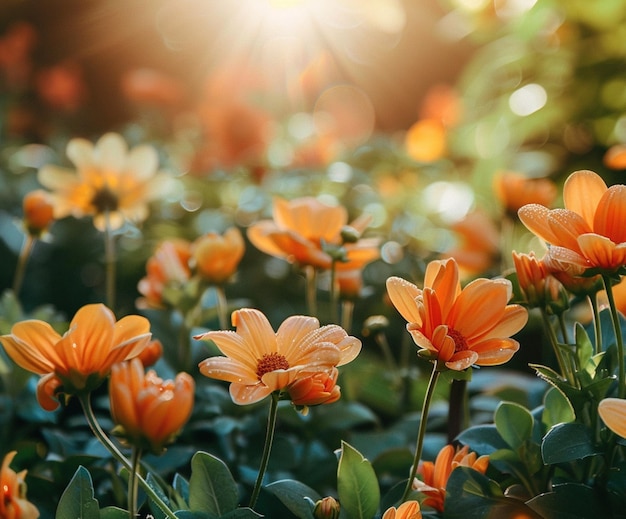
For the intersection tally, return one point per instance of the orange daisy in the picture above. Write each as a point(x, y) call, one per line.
point(148, 411)
point(260, 361)
point(13, 502)
point(78, 361)
point(589, 233)
point(434, 476)
point(216, 257)
point(301, 229)
point(109, 182)
point(459, 328)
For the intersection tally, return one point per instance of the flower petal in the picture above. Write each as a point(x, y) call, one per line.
point(256, 331)
point(110, 153)
point(535, 218)
point(46, 391)
point(582, 192)
point(234, 346)
point(142, 162)
point(31, 345)
point(225, 368)
point(403, 294)
point(611, 214)
point(291, 333)
point(245, 395)
point(493, 352)
point(80, 152)
point(602, 252)
point(613, 414)
point(462, 360)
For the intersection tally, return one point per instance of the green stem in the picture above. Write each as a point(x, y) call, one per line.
point(563, 366)
point(457, 414)
point(334, 293)
point(430, 391)
point(269, 439)
point(621, 374)
point(133, 483)
point(109, 260)
point(311, 290)
point(347, 312)
point(222, 307)
point(85, 402)
point(593, 299)
point(21, 264)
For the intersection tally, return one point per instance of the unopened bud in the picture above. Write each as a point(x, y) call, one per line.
point(326, 508)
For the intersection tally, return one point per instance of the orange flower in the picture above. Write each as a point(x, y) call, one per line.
point(316, 389)
point(589, 233)
point(515, 190)
point(479, 244)
point(62, 86)
point(458, 327)
point(303, 228)
point(434, 476)
point(13, 503)
point(216, 257)
point(148, 411)
point(260, 361)
point(613, 414)
point(151, 353)
point(540, 288)
point(327, 508)
point(38, 211)
point(407, 510)
point(169, 266)
point(110, 180)
point(81, 359)
point(615, 157)
point(425, 140)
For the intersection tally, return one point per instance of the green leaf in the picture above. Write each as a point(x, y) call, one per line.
point(77, 501)
point(157, 511)
point(357, 484)
point(482, 439)
point(570, 501)
point(241, 513)
point(212, 488)
point(292, 494)
point(113, 512)
point(567, 442)
point(514, 423)
point(557, 408)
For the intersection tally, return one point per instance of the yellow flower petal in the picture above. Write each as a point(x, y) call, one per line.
point(613, 414)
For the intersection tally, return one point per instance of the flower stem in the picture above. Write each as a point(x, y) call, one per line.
point(109, 260)
point(564, 364)
point(85, 402)
point(21, 265)
point(132, 482)
point(421, 433)
point(311, 290)
point(593, 299)
point(334, 293)
point(621, 374)
point(222, 307)
point(269, 439)
point(347, 312)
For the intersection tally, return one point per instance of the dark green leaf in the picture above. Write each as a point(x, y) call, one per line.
point(570, 501)
point(514, 423)
point(241, 513)
point(357, 484)
point(212, 488)
point(292, 494)
point(113, 512)
point(567, 442)
point(557, 408)
point(482, 439)
point(78, 500)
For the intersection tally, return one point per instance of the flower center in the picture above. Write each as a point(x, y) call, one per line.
point(270, 362)
point(105, 200)
point(460, 344)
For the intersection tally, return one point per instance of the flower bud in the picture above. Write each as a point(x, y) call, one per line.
point(327, 508)
point(38, 211)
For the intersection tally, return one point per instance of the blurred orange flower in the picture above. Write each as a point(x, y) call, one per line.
point(215, 257)
point(81, 359)
point(260, 361)
point(149, 412)
point(110, 181)
point(407, 510)
point(587, 234)
point(13, 502)
point(151, 87)
point(302, 227)
point(434, 476)
point(615, 157)
point(169, 265)
point(478, 248)
point(38, 211)
point(425, 140)
point(613, 414)
point(459, 328)
point(61, 86)
point(319, 388)
point(514, 190)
